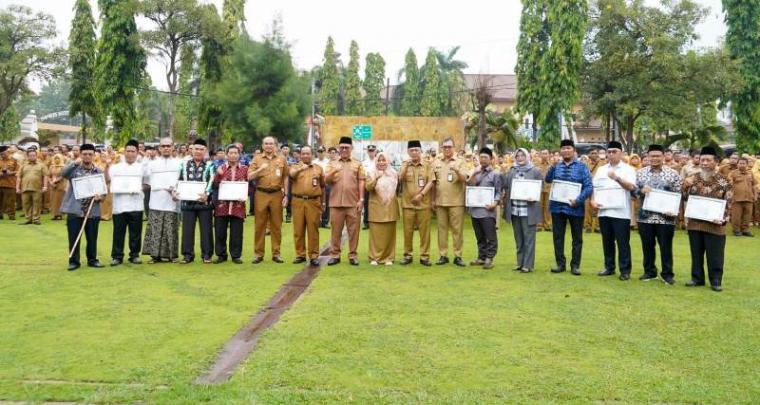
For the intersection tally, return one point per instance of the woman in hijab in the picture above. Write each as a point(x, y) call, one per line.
point(523, 214)
point(383, 211)
point(635, 162)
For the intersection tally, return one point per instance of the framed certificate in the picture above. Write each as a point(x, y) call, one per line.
point(164, 180)
point(610, 197)
point(233, 191)
point(564, 191)
point(663, 202)
point(190, 190)
point(525, 190)
point(89, 186)
point(479, 197)
point(124, 184)
point(704, 208)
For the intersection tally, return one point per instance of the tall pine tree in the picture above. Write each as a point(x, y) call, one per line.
point(354, 102)
point(329, 90)
point(410, 103)
point(430, 105)
point(82, 64)
point(374, 80)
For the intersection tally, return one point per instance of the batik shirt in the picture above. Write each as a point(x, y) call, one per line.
point(665, 179)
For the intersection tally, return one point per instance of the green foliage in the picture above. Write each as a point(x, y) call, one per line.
point(430, 104)
point(233, 12)
point(329, 81)
point(9, 125)
point(25, 51)
point(353, 100)
point(374, 81)
point(742, 39)
point(187, 106)
point(261, 94)
point(213, 62)
point(82, 44)
point(120, 64)
point(452, 84)
point(410, 88)
point(53, 97)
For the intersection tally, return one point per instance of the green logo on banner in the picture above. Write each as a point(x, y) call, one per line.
point(362, 132)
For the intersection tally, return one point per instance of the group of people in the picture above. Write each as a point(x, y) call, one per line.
point(343, 190)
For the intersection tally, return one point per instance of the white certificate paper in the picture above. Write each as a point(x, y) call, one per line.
point(89, 186)
point(190, 190)
point(126, 184)
point(564, 191)
point(164, 180)
point(663, 202)
point(610, 197)
point(704, 208)
point(233, 191)
point(479, 196)
point(525, 190)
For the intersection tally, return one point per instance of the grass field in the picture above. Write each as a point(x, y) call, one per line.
point(375, 334)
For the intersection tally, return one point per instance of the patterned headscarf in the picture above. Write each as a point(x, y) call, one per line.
point(387, 181)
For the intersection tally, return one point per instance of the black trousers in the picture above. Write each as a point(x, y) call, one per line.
point(652, 235)
point(326, 210)
point(485, 234)
point(122, 222)
point(235, 225)
point(289, 207)
point(73, 225)
point(707, 244)
point(365, 215)
point(616, 231)
point(559, 223)
point(189, 218)
point(146, 202)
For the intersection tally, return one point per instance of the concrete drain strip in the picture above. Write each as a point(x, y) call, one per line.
point(239, 347)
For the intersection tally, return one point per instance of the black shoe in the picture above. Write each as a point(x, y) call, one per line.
point(333, 261)
point(186, 261)
point(206, 260)
point(605, 273)
point(518, 268)
point(488, 264)
point(287, 220)
point(96, 264)
point(26, 223)
point(353, 261)
point(459, 262)
point(442, 260)
point(73, 266)
point(314, 262)
point(278, 259)
point(647, 277)
point(625, 277)
point(365, 227)
point(669, 281)
point(693, 283)
point(237, 260)
point(135, 260)
point(220, 260)
point(116, 262)
point(748, 234)
point(425, 262)
point(736, 233)
point(716, 288)
point(257, 260)
point(299, 260)
point(477, 262)
point(558, 270)
point(406, 260)
point(37, 223)
point(575, 271)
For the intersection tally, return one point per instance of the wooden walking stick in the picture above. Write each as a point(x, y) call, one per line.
point(86, 216)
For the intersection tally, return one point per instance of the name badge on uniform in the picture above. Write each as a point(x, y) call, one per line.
point(314, 182)
point(450, 177)
point(420, 181)
point(277, 172)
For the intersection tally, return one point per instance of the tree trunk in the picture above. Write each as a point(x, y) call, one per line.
point(84, 127)
point(481, 127)
point(629, 133)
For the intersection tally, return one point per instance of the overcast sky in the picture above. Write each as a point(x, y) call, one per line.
point(487, 30)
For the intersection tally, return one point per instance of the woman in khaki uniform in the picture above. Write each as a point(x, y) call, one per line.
point(383, 211)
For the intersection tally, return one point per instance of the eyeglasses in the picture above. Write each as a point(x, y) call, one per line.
point(447, 146)
point(166, 146)
point(344, 147)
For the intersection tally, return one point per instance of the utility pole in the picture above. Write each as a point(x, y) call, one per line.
point(387, 93)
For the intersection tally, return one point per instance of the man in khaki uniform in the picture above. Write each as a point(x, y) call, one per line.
point(346, 175)
point(31, 183)
point(744, 197)
point(416, 179)
point(8, 171)
point(544, 165)
point(57, 183)
point(590, 219)
point(450, 178)
point(308, 184)
point(270, 172)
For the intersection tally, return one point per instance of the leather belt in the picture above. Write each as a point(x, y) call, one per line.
point(268, 190)
point(307, 197)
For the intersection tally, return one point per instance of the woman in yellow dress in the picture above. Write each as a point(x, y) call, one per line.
point(635, 162)
point(383, 211)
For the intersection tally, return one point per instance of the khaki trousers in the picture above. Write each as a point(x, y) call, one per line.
point(306, 217)
point(46, 201)
point(741, 216)
point(340, 217)
point(419, 219)
point(450, 218)
point(8, 202)
point(590, 218)
point(268, 214)
point(547, 223)
point(382, 241)
point(56, 199)
point(32, 203)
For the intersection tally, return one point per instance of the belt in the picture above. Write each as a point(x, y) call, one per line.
point(268, 190)
point(307, 197)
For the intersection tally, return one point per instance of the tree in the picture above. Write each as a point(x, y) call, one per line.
point(176, 23)
point(374, 81)
point(329, 89)
point(354, 102)
point(213, 61)
point(452, 81)
point(120, 64)
point(261, 94)
point(187, 104)
point(430, 105)
point(233, 12)
point(9, 125)
point(24, 52)
point(410, 89)
point(742, 17)
point(82, 64)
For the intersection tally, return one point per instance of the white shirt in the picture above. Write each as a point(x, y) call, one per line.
point(602, 180)
point(161, 200)
point(369, 166)
point(127, 202)
point(322, 162)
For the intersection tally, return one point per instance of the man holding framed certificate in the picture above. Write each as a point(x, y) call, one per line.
point(707, 236)
point(230, 214)
point(161, 241)
point(200, 210)
point(484, 217)
point(612, 184)
point(575, 174)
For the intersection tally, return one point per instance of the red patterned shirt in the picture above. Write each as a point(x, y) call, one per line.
point(230, 208)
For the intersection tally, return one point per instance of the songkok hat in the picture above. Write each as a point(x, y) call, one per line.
point(200, 141)
point(87, 146)
point(655, 148)
point(486, 151)
point(414, 144)
point(345, 140)
point(708, 150)
point(567, 142)
point(615, 145)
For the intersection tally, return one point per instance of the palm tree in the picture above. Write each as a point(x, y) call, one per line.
point(502, 128)
point(452, 79)
point(711, 135)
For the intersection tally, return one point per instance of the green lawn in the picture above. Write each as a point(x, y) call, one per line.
point(375, 334)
